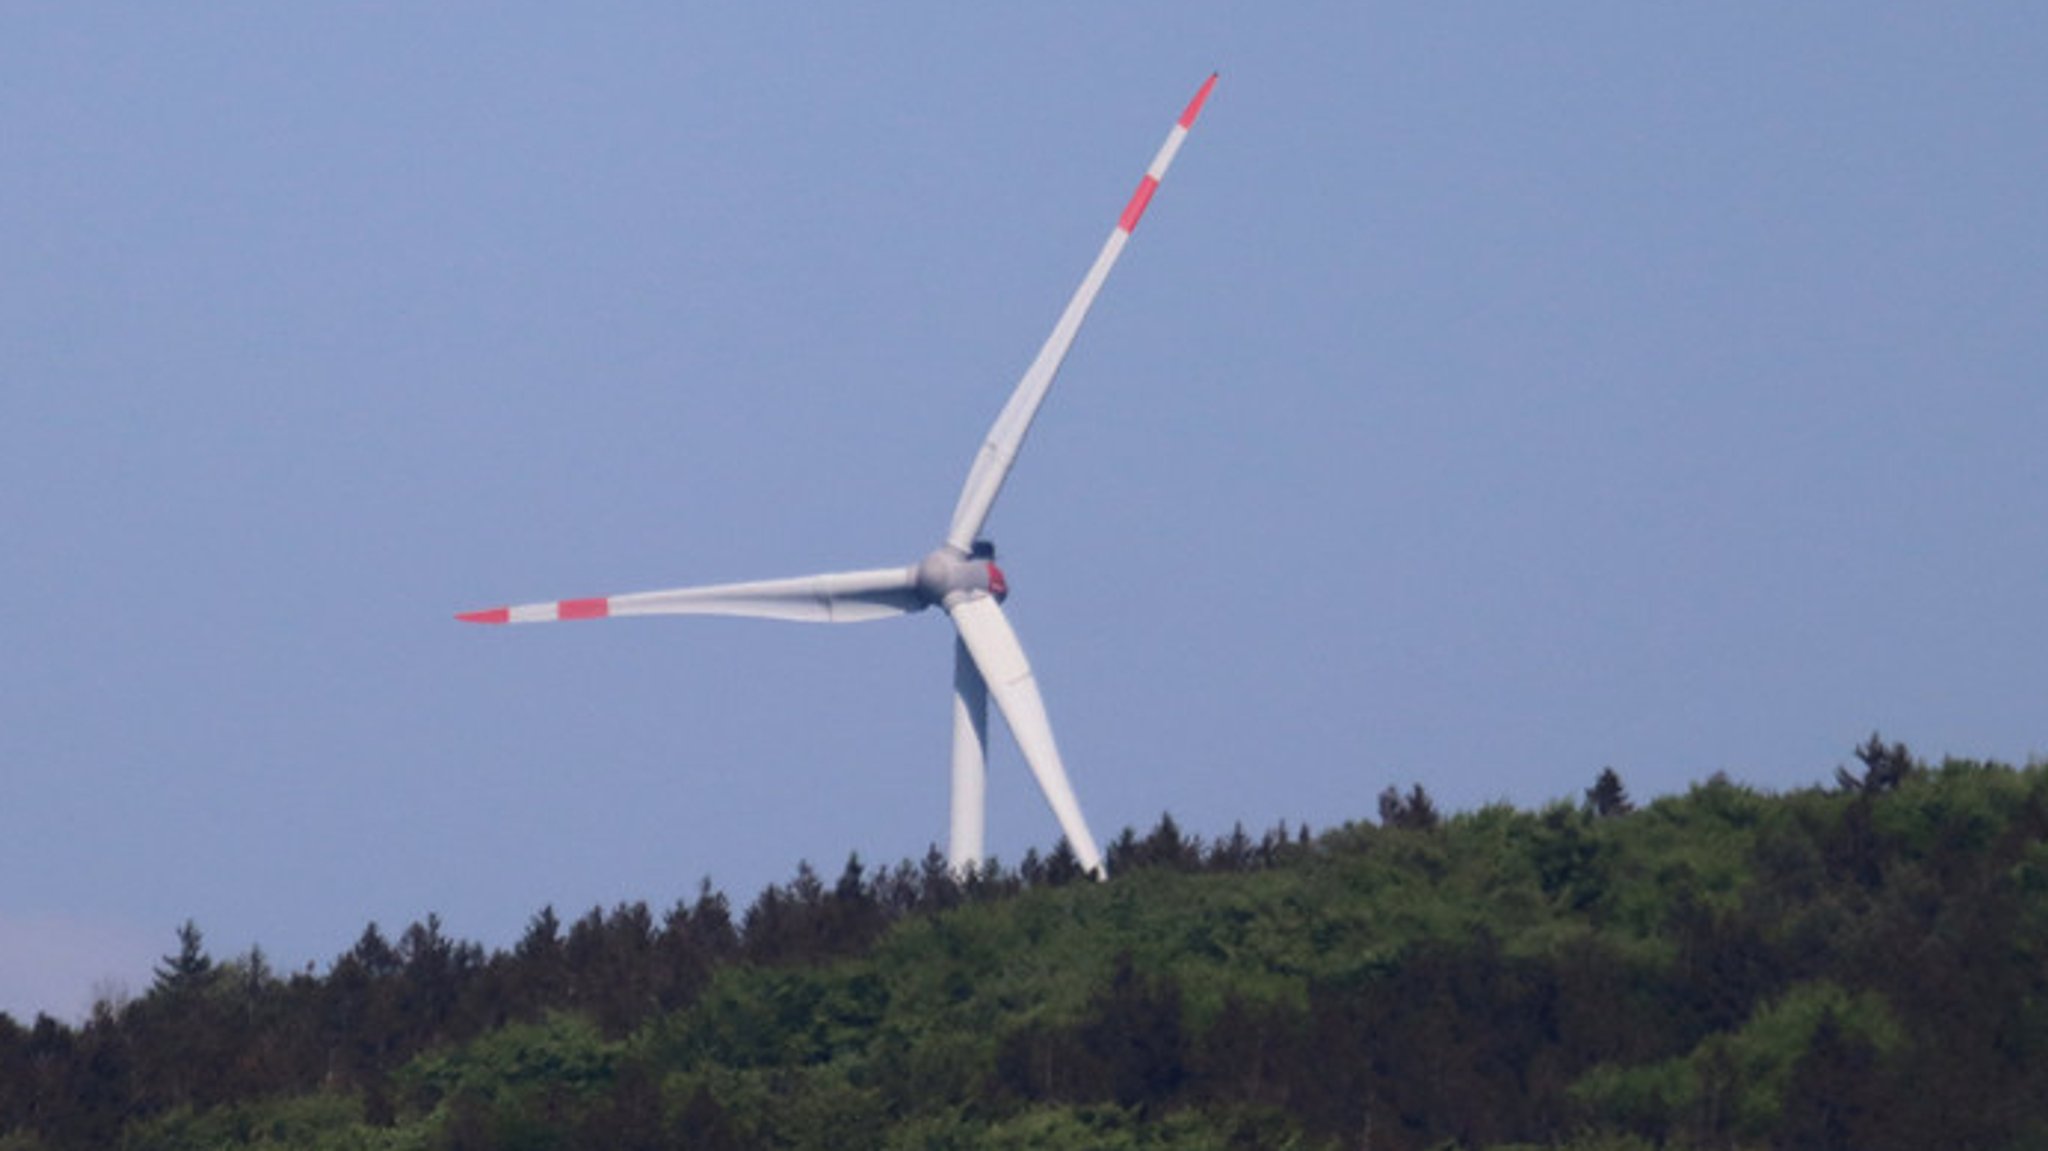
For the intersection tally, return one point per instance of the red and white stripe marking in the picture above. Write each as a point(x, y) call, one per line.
point(541, 612)
point(1140, 199)
point(992, 464)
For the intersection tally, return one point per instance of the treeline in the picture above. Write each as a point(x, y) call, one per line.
point(1861, 966)
point(209, 1034)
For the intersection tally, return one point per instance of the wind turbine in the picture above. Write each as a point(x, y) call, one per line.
point(959, 576)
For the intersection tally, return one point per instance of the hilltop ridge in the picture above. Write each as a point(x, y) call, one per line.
point(1864, 965)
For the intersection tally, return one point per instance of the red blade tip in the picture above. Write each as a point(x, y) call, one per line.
point(488, 615)
point(1187, 118)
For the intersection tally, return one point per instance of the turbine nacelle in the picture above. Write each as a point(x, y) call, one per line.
point(945, 577)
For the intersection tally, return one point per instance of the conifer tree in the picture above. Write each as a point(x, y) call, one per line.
point(1607, 797)
point(1885, 767)
point(1414, 811)
point(188, 972)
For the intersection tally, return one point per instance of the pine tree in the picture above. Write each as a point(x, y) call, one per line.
point(1607, 797)
point(1063, 866)
point(1415, 811)
point(190, 971)
point(1885, 767)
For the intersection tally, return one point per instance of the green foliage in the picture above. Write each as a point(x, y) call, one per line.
point(1737, 1082)
point(317, 1122)
point(1849, 967)
point(1885, 767)
point(1097, 1128)
point(563, 1053)
point(1607, 798)
point(1413, 812)
point(190, 971)
point(770, 1017)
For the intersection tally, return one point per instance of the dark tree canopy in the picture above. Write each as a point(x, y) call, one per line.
point(190, 971)
point(1863, 967)
point(1607, 797)
point(1885, 767)
point(1414, 811)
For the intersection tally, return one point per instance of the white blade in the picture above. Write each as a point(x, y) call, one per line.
point(970, 762)
point(840, 597)
point(988, 637)
point(1006, 437)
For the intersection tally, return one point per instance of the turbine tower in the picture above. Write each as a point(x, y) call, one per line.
point(959, 576)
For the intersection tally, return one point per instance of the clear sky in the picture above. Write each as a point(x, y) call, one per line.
point(1492, 394)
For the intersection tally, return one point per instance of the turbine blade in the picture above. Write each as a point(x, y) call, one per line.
point(1006, 438)
point(970, 762)
point(989, 639)
point(839, 597)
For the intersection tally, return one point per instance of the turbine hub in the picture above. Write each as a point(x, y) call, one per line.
point(945, 577)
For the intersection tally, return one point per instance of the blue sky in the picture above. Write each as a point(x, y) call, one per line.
point(1492, 394)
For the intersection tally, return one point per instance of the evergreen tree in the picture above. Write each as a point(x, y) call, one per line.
point(938, 888)
point(1063, 866)
point(537, 971)
point(1414, 812)
point(1607, 797)
point(1235, 853)
point(1166, 847)
point(1885, 767)
point(1032, 869)
point(375, 953)
point(543, 938)
point(190, 971)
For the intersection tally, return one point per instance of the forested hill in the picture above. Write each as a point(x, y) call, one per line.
point(1863, 965)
